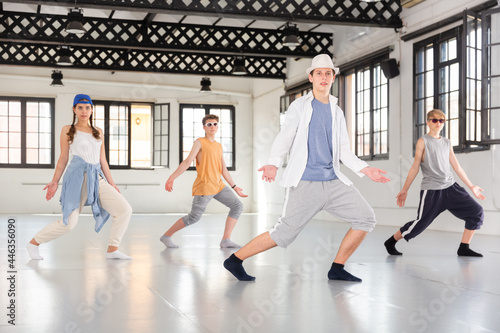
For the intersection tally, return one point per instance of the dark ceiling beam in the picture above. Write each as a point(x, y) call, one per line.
point(49, 29)
point(249, 24)
point(345, 12)
point(149, 18)
point(316, 26)
point(99, 58)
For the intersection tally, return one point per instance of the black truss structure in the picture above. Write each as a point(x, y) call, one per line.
point(31, 54)
point(45, 28)
point(380, 14)
point(112, 44)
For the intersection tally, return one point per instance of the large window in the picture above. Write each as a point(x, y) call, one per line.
point(472, 67)
point(135, 136)
point(192, 129)
point(490, 97)
point(437, 86)
point(448, 77)
point(26, 132)
point(367, 108)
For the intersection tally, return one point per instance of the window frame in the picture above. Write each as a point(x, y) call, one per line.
point(160, 135)
point(457, 32)
point(24, 101)
point(487, 76)
point(107, 105)
point(207, 108)
point(354, 67)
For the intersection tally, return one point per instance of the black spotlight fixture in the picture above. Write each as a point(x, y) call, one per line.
point(56, 78)
point(205, 85)
point(291, 33)
point(239, 66)
point(75, 21)
point(64, 56)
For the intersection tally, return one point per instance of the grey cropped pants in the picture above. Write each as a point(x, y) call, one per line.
point(308, 198)
point(225, 197)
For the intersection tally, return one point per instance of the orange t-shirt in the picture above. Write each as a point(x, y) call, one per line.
point(209, 168)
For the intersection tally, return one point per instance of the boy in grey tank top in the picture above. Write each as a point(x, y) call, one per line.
point(439, 192)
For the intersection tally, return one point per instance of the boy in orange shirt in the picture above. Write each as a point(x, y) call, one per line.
point(210, 166)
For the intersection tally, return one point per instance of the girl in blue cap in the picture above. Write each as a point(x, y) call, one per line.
point(87, 182)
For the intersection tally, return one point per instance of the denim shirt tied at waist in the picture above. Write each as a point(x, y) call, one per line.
point(72, 188)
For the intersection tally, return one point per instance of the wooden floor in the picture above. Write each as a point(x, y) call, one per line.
point(74, 289)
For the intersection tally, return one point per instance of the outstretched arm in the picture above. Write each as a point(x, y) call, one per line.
point(463, 176)
point(169, 185)
point(51, 187)
point(419, 153)
point(229, 180)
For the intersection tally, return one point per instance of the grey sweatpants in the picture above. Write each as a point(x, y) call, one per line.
point(303, 202)
point(225, 197)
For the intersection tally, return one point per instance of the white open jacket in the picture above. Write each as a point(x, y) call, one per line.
point(294, 135)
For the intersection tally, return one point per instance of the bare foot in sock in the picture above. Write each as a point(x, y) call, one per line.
point(228, 243)
point(168, 242)
point(337, 272)
point(465, 251)
point(33, 252)
point(235, 265)
point(390, 246)
point(117, 255)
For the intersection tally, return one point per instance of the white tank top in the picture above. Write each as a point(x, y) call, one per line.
point(86, 146)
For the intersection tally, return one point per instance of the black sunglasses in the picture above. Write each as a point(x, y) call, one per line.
point(434, 120)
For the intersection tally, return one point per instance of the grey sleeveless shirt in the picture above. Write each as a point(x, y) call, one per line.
point(436, 165)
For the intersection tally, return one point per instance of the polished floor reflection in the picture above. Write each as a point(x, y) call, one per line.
point(428, 289)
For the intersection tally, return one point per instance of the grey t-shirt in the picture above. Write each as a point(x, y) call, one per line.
point(436, 165)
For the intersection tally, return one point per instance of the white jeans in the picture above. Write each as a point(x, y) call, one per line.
point(111, 200)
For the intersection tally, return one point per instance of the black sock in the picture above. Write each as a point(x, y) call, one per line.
point(235, 266)
point(390, 246)
point(337, 272)
point(465, 251)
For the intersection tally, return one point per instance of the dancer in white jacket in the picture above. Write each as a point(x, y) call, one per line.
point(316, 137)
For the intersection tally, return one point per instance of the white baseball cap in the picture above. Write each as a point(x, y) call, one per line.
point(322, 61)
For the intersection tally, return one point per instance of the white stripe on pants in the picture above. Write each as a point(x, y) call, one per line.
point(111, 200)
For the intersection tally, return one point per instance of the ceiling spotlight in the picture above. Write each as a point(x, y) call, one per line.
point(75, 21)
point(239, 66)
point(64, 56)
point(291, 38)
point(56, 78)
point(205, 85)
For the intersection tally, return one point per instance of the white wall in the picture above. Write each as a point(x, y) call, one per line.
point(23, 187)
